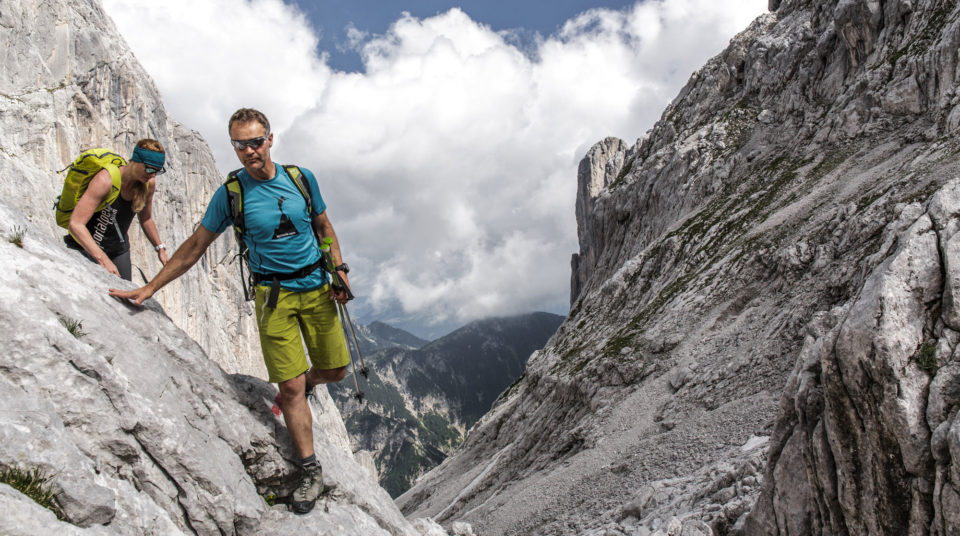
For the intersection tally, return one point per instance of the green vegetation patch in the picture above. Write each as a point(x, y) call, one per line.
point(17, 237)
point(405, 465)
point(436, 430)
point(922, 194)
point(871, 198)
point(739, 122)
point(33, 483)
point(830, 162)
point(927, 356)
point(616, 345)
point(74, 327)
point(571, 359)
point(512, 389)
point(12, 97)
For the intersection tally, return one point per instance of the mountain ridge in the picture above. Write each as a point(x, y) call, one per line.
point(420, 402)
point(378, 335)
point(790, 179)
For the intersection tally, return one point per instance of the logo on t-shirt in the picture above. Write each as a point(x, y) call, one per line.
point(286, 227)
point(107, 216)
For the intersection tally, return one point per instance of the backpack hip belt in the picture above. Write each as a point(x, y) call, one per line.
point(276, 278)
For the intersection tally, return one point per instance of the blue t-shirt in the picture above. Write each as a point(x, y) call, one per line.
point(278, 230)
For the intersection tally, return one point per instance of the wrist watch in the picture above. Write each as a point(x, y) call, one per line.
point(159, 246)
point(342, 268)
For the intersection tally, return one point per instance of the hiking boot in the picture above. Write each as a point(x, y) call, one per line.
point(308, 489)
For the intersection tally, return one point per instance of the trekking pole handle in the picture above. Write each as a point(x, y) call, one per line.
point(331, 267)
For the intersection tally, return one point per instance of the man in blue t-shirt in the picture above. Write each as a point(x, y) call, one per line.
point(294, 298)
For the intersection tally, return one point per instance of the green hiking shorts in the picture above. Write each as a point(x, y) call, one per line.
point(312, 314)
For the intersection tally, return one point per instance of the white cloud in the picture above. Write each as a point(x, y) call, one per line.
point(210, 58)
point(449, 166)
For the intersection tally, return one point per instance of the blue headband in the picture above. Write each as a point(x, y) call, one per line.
point(147, 157)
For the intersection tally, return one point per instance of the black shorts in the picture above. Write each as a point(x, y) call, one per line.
point(120, 260)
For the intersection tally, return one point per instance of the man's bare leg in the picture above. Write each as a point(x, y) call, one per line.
point(296, 413)
point(296, 409)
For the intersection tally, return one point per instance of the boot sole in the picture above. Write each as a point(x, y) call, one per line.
point(302, 508)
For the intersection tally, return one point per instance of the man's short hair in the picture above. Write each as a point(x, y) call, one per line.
point(247, 115)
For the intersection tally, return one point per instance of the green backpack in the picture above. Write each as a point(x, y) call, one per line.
point(235, 200)
point(81, 171)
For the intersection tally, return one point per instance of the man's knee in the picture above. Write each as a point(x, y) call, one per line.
point(331, 375)
point(293, 387)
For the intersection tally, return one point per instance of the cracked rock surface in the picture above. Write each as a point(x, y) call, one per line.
point(68, 82)
point(762, 331)
point(129, 412)
point(138, 430)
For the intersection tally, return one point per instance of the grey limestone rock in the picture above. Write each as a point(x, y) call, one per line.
point(599, 169)
point(866, 443)
point(128, 412)
point(138, 430)
point(23, 517)
point(68, 82)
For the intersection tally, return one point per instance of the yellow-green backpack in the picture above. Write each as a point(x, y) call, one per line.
point(88, 164)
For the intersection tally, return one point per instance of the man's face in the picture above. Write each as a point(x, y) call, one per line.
point(249, 135)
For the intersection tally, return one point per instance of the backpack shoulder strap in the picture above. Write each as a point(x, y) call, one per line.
point(115, 182)
point(301, 181)
point(298, 178)
point(235, 201)
point(235, 194)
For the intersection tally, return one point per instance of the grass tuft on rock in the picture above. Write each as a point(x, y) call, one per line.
point(18, 234)
point(927, 356)
point(75, 327)
point(33, 483)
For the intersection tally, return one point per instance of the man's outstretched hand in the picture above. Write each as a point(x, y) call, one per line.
point(138, 296)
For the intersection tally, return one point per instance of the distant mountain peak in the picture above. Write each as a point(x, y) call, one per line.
point(422, 400)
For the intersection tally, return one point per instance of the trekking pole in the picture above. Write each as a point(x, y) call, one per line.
point(338, 284)
point(356, 383)
point(356, 344)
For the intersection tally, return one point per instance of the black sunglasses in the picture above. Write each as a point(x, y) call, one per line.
point(151, 169)
point(252, 142)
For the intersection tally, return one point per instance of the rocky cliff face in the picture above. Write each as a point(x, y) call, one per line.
point(788, 222)
point(138, 430)
point(866, 441)
point(68, 82)
point(129, 418)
